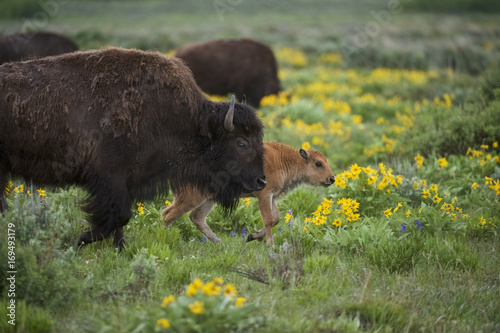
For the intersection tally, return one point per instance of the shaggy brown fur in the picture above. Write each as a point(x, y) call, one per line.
point(27, 46)
point(123, 124)
point(285, 168)
point(242, 66)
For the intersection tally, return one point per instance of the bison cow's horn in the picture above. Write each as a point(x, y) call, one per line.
point(228, 122)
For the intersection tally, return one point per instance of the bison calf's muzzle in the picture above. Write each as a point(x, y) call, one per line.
point(329, 181)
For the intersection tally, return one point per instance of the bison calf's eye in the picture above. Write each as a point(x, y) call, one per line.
point(319, 164)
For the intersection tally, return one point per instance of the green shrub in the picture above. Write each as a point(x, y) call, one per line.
point(204, 307)
point(453, 131)
point(399, 254)
point(29, 319)
point(42, 231)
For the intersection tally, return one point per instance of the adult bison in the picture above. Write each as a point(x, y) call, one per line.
point(241, 66)
point(27, 46)
point(123, 124)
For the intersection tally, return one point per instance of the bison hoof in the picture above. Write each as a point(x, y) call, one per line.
point(251, 238)
point(119, 243)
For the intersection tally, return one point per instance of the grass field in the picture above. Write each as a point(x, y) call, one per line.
point(407, 240)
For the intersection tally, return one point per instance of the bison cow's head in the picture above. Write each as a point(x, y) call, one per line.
point(236, 137)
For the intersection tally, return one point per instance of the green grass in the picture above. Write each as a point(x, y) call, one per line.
point(367, 275)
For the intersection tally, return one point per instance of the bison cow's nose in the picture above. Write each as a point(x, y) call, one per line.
point(261, 182)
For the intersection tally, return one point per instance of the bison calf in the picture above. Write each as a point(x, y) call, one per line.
point(124, 125)
point(285, 168)
point(241, 66)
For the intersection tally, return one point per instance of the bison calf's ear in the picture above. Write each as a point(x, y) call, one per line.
point(228, 121)
point(304, 155)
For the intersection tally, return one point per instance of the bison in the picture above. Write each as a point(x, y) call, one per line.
point(285, 168)
point(242, 66)
point(123, 124)
point(26, 46)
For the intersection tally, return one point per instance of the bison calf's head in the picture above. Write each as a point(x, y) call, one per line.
point(238, 148)
point(318, 170)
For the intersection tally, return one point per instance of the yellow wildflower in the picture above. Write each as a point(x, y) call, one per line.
point(372, 180)
point(437, 199)
point(41, 193)
point(425, 194)
point(240, 301)
point(442, 162)
point(167, 300)
point(387, 212)
point(353, 217)
point(306, 145)
point(210, 289)
point(337, 222)
point(482, 221)
point(163, 323)
point(355, 171)
point(474, 186)
point(193, 287)
point(197, 307)
point(140, 208)
point(230, 290)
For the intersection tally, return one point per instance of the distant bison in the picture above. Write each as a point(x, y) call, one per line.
point(28, 46)
point(241, 66)
point(123, 124)
point(285, 168)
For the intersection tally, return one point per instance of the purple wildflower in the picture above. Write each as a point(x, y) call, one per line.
point(203, 239)
point(403, 229)
point(417, 223)
point(243, 233)
point(233, 234)
point(279, 229)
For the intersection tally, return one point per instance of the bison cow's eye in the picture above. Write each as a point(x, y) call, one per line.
point(241, 144)
point(319, 164)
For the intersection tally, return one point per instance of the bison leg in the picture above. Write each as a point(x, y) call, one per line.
point(108, 210)
point(183, 203)
point(270, 217)
point(199, 218)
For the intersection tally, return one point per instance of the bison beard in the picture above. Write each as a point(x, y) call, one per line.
point(124, 125)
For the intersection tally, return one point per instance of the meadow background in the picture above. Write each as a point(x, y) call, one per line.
point(403, 97)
